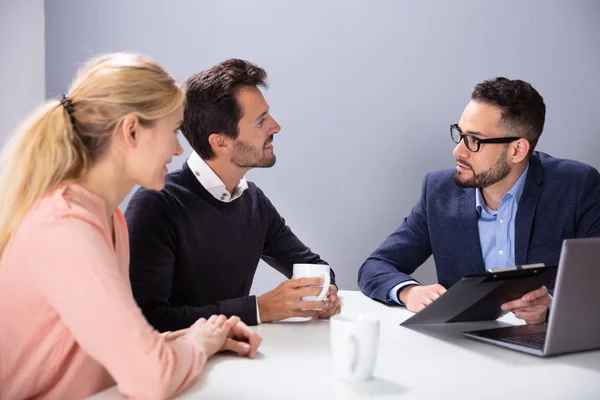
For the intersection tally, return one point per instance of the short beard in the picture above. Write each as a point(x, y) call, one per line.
point(245, 156)
point(496, 173)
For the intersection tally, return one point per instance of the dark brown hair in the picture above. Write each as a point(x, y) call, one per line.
point(211, 103)
point(523, 108)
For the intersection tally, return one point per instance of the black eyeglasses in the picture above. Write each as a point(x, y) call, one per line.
point(473, 144)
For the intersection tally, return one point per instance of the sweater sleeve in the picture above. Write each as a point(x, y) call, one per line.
point(282, 247)
point(153, 245)
point(77, 272)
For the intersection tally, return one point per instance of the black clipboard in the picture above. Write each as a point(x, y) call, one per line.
point(479, 297)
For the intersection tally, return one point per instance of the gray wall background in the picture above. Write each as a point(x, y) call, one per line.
point(364, 90)
point(21, 61)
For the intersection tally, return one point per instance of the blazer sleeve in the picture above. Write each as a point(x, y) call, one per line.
point(588, 207)
point(400, 254)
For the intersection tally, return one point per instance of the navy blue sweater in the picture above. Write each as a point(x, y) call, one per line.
point(193, 256)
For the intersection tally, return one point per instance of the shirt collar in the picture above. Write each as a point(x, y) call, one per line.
point(480, 205)
point(516, 192)
point(211, 181)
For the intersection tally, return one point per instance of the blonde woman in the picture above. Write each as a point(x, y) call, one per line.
point(69, 326)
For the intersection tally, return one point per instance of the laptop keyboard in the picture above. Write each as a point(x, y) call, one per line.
point(535, 341)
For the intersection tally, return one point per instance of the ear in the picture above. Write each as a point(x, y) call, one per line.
point(219, 143)
point(520, 150)
point(128, 131)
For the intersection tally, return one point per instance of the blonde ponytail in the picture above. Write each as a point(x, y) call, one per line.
point(61, 141)
point(36, 159)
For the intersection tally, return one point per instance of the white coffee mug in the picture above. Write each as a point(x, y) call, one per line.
point(354, 344)
point(313, 271)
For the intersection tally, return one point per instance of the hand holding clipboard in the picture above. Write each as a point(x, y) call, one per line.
point(480, 297)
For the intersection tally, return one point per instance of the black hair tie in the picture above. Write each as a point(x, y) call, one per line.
point(66, 103)
point(68, 106)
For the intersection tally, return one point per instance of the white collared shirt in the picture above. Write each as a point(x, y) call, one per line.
point(212, 183)
point(215, 186)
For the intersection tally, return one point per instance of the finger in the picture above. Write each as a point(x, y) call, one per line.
point(534, 322)
point(333, 297)
point(531, 318)
point(434, 296)
point(304, 313)
point(539, 302)
point(335, 308)
point(333, 290)
point(312, 305)
point(520, 303)
point(230, 325)
point(333, 294)
point(242, 332)
point(227, 327)
point(524, 315)
point(306, 282)
point(233, 321)
point(254, 340)
point(532, 309)
point(336, 305)
point(326, 313)
point(308, 291)
point(419, 307)
point(254, 348)
point(427, 301)
point(530, 312)
point(332, 309)
point(241, 348)
point(439, 289)
point(329, 313)
point(543, 291)
point(212, 319)
point(220, 321)
point(513, 305)
point(411, 307)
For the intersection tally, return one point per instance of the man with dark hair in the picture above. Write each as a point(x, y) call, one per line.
point(503, 205)
point(196, 244)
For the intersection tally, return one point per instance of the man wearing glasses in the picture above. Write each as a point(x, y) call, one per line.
point(503, 205)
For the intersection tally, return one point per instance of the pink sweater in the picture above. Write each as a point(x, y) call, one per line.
point(69, 326)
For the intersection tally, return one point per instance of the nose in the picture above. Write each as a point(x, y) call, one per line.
point(178, 148)
point(460, 150)
point(276, 127)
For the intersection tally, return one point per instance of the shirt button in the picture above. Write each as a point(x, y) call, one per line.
point(501, 220)
point(500, 252)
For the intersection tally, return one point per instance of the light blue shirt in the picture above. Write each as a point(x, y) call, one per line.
point(496, 231)
point(497, 228)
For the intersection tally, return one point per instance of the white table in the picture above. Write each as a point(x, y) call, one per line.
point(294, 362)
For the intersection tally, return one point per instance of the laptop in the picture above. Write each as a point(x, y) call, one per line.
point(574, 320)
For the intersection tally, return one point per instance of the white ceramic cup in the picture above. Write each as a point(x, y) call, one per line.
point(313, 271)
point(354, 343)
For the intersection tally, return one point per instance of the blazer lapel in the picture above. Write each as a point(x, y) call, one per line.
point(526, 210)
point(469, 246)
